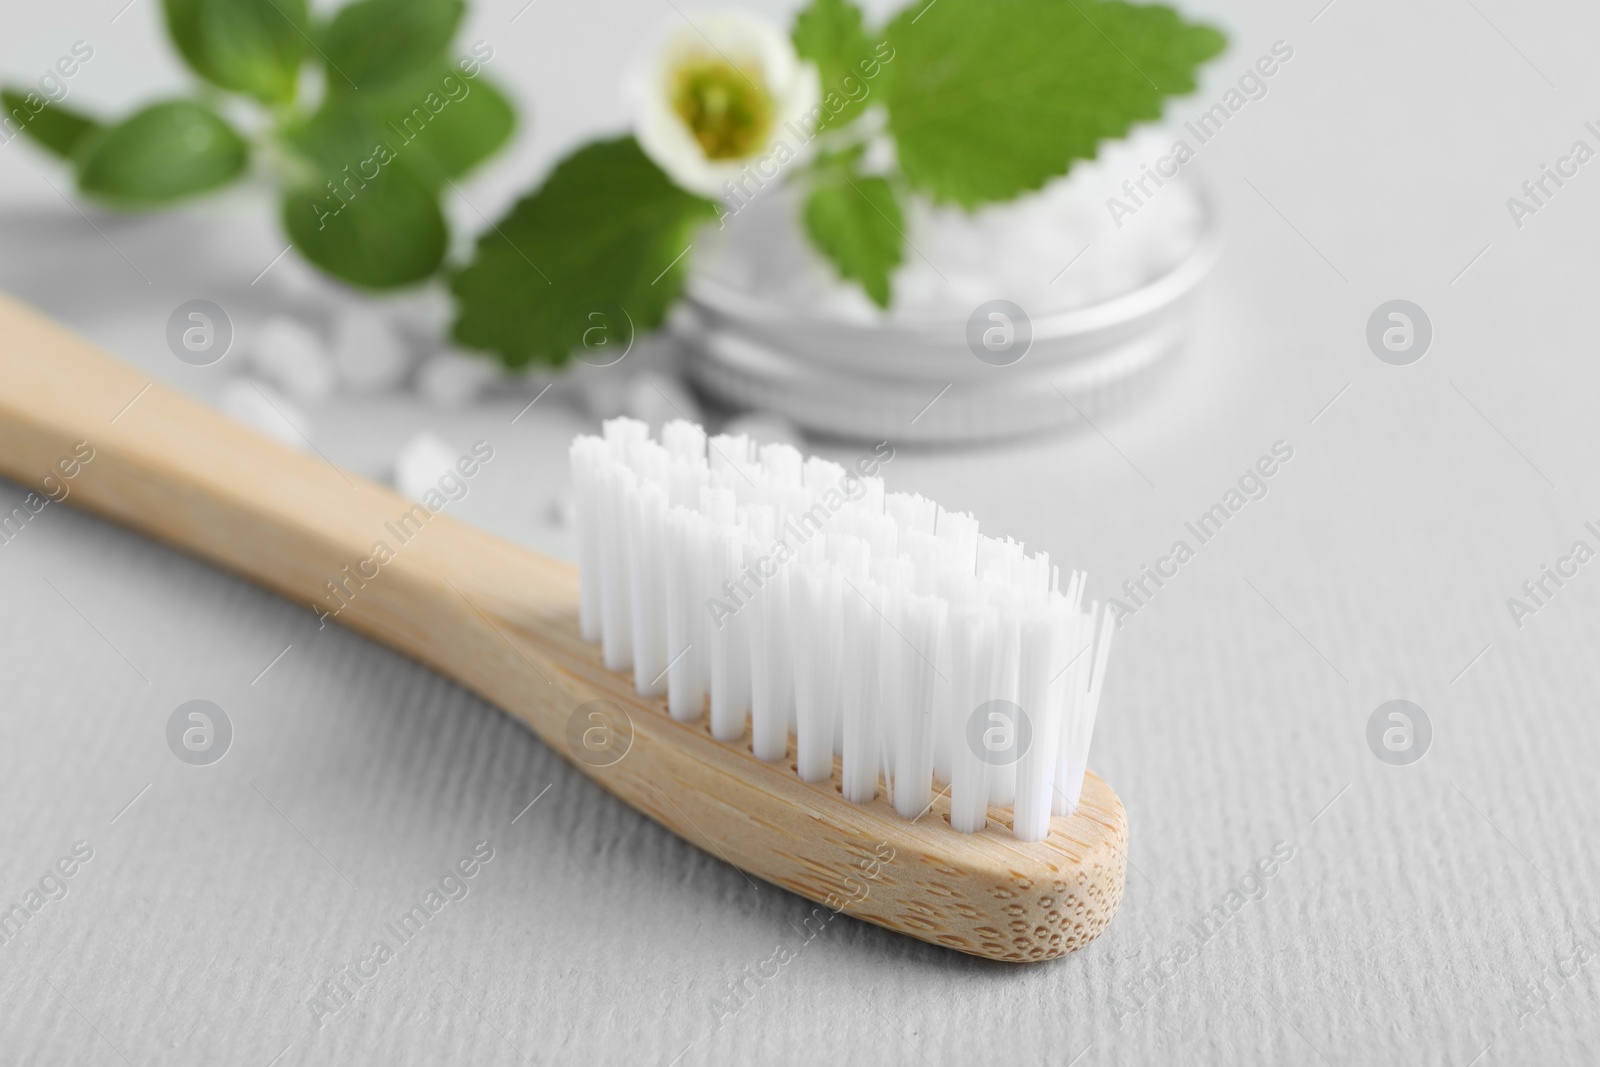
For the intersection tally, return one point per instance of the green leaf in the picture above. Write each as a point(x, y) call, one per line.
point(365, 206)
point(442, 123)
point(437, 127)
point(57, 129)
point(249, 46)
point(857, 223)
point(466, 133)
point(183, 26)
point(991, 98)
point(161, 153)
point(372, 43)
point(379, 231)
point(605, 235)
point(829, 33)
point(334, 137)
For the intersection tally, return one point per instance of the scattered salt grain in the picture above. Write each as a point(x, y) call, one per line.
point(657, 399)
point(371, 355)
point(765, 428)
point(603, 391)
point(455, 379)
point(421, 462)
point(423, 313)
point(290, 355)
point(562, 511)
point(259, 405)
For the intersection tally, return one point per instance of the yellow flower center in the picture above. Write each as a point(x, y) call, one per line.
point(724, 107)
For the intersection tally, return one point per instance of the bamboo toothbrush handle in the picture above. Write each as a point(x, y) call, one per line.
point(502, 621)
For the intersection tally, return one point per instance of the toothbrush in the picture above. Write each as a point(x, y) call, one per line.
point(874, 805)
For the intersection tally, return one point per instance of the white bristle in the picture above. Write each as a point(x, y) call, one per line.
point(1096, 627)
point(719, 504)
point(587, 454)
point(871, 502)
point(859, 701)
point(617, 484)
point(685, 480)
point(921, 620)
point(771, 665)
point(911, 512)
point(783, 463)
point(1007, 681)
point(818, 612)
point(775, 592)
point(687, 552)
point(623, 435)
point(1042, 637)
point(923, 549)
point(972, 678)
point(960, 531)
point(822, 477)
point(647, 564)
point(730, 643)
point(944, 712)
point(685, 441)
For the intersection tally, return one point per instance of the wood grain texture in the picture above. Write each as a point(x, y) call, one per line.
point(502, 621)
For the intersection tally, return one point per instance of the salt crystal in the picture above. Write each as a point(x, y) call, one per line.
point(371, 355)
point(455, 379)
point(420, 464)
point(765, 428)
point(561, 511)
point(1012, 249)
point(603, 391)
point(259, 405)
point(289, 354)
point(425, 313)
point(658, 399)
point(295, 279)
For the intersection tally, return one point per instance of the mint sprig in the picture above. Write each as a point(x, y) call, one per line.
point(961, 101)
point(361, 170)
point(981, 101)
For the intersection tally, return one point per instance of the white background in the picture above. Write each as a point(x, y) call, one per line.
point(1416, 905)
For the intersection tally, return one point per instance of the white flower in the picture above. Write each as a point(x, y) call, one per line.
point(721, 95)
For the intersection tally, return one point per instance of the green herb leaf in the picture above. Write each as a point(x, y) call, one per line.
point(439, 126)
point(57, 129)
point(829, 33)
point(161, 153)
point(857, 223)
point(183, 26)
point(442, 122)
point(337, 136)
point(605, 236)
point(379, 226)
point(373, 43)
point(249, 46)
point(991, 98)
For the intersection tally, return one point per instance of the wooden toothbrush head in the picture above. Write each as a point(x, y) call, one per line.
point(986, 894)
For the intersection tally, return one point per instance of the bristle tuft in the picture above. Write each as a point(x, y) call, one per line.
point(784, 595)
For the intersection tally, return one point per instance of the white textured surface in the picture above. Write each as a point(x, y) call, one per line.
point(1413, 907)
